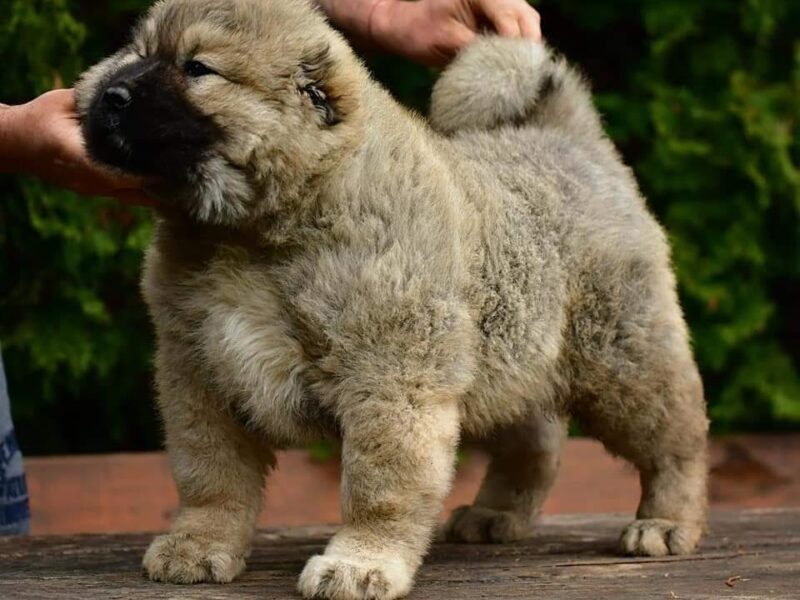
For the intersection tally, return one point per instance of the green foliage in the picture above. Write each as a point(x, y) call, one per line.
point(76, 342)
point(703, 98)
point(709, 116)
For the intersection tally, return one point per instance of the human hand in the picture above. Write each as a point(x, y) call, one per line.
point(432, 31)
point(43, 138)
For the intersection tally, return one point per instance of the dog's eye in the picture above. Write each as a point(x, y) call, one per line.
point(194, 68)
point(317, 96)
point(322, 103)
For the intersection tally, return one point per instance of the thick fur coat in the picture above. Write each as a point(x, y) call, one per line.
point(327, 264)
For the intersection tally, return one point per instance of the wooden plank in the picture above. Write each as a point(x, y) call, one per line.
point(566, 557)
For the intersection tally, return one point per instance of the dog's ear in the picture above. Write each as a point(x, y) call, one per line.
point(317, 81)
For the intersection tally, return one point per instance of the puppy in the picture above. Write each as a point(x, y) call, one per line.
point(327, 264)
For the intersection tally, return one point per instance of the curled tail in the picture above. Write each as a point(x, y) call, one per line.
point(501, 81)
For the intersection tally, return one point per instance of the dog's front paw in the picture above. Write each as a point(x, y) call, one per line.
point(186, 558)
point(332, 577)
point(659, 537)
point(478, 525)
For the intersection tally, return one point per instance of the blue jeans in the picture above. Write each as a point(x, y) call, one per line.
point(15, 516)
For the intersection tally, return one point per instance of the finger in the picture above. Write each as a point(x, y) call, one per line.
point(506, 25)
point(73, 153)
point(459, 37)
point(530, 25)
point(68, 97)
point(118, 180)
point(70, 138)
point(447, 45)
point(135, 197)
point(62, 100)
point(501, 15)
point(84, 167)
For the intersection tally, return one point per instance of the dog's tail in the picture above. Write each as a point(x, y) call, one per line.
point(501, 81)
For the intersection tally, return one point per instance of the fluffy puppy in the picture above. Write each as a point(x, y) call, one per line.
point(326, 263)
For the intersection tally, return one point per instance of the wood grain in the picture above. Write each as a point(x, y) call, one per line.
point(747, 554)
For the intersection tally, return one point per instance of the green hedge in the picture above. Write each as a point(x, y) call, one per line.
point(703, 97)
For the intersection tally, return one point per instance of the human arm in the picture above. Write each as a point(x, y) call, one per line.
point(43, 138)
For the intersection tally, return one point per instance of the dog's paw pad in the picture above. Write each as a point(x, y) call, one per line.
point(477, 525)
point(184, 558)
point(343, 578)
point(659, 537)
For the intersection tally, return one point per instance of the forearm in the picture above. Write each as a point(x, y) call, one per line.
point(11, 122)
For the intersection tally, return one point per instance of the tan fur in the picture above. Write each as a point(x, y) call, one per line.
point(402, 287)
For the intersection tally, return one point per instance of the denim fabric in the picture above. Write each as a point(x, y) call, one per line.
point(14, 512)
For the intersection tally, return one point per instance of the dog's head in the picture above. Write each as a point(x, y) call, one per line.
point(227, 105)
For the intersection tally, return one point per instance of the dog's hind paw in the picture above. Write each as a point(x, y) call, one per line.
point(478, 525)
point(186, 558)
point(659, 537)
point(332, 577)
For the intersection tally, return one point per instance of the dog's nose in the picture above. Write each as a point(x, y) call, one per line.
point(118, 96)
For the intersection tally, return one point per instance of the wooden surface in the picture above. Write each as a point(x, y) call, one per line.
point(750, 554)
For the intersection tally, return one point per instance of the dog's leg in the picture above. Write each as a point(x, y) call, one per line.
point(397, 459)
point(219, 471)
point(662, 430)
point(524, 464)
point(673, 466)
point(672, 511)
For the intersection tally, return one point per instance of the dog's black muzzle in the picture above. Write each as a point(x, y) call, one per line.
point(140, 121)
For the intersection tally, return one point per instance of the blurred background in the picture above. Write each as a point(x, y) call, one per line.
point(701, 96)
